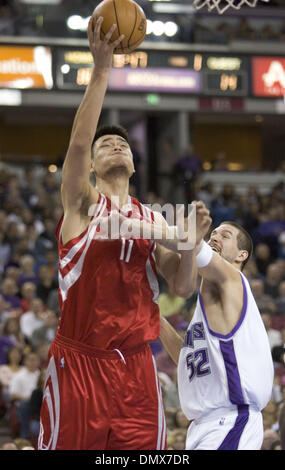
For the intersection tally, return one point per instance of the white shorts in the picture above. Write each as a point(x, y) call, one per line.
point(240, 428)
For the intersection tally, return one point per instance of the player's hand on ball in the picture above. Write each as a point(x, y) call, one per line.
point(102, 50)
point(192, 229)
point(203, 220)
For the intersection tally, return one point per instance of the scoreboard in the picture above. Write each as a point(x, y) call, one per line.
point(163, 71)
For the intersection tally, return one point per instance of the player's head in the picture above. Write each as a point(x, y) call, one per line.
point(111, 151)
point(232, 242)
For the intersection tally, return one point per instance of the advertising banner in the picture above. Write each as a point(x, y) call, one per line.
point(25, 67)
point(268, 74)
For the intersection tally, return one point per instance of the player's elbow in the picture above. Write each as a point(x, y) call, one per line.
point(183, 291)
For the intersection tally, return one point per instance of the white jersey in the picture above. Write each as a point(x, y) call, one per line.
point(221, 371)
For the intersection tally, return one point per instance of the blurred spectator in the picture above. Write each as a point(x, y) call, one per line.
point(268, 439)
point(221, 212)
point(206, 193)
point(170, 391)
point(47, 332)
point(32, 319)
point(282, 427)
point(281, 241)
point(11, 336)
point(8, 370)
point(244, 30)
point(250, 270)
point(52, 301)
point(47, 283)
point(22, 385)
point(27, 263)
point(4, 313)
point(269, 414)
point(171, 306)
point(276, 445)
point(42, 351)
point(12, 269)
point(181, 420)
point(219, 161)
point(169, 416)
point(35, 406)
point(136, 177)
point(23, 444)
point(28, 293)
point(9, 291)
point(176, 439)
point(280, 301)
point(267, 33)
point(8, 446)
point(274, 336)
point(223, 33)
point(46, 240)
point(5, 248)
point(262, 257)
point(272, 280)
point(270, 228)
point(264, 301)
point(186, 171)
point(51, 263)
point(250, 220)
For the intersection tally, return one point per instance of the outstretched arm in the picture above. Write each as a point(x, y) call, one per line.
point(77, 164)
point(171, 340)
point(180, 270)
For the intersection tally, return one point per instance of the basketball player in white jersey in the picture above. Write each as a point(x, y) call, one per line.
point(225, 368)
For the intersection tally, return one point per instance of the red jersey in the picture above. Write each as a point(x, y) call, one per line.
point(108, 289)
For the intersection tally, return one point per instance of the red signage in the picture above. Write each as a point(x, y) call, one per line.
point(268, 76)
point(222, 105)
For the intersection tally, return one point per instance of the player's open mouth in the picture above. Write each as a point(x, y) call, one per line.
point(216, 248)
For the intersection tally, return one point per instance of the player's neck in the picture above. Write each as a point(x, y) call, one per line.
point(116, 186)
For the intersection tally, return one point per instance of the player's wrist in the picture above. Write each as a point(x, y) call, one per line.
point(100, 73)
point(204, 255)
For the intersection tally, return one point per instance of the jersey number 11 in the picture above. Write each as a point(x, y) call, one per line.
point(126, 250)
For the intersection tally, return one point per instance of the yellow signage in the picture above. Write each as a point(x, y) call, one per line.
point(25, 67)
point(224, 63)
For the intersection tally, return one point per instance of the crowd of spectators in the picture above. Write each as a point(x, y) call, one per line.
point(226, 30)
point(30, 209)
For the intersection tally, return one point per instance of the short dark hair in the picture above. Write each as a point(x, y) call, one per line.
point(112, 130)
point(244, 240)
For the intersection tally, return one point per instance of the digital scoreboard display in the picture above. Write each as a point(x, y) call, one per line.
point(225, 75)
point(162, 71)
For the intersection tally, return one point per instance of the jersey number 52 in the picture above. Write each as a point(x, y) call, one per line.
point(197, 363)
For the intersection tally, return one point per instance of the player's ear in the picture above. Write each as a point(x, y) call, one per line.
point(242, 256)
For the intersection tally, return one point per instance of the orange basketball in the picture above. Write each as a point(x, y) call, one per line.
point(130, 20)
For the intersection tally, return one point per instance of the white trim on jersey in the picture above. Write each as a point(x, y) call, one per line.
point(72, 276)
point(53, 404)
point(161, 417)
point(146, 212)
point(72, 252)
point(152, 278)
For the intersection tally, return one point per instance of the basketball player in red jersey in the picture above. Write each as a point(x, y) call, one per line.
point(102, 390)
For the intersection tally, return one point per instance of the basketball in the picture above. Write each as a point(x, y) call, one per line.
point(130, 20)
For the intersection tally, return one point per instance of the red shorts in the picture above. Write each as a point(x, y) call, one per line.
point(101, 400)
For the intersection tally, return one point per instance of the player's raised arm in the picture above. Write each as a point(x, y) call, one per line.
point(180, 270)
point(77, 164)
point(171, 340)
